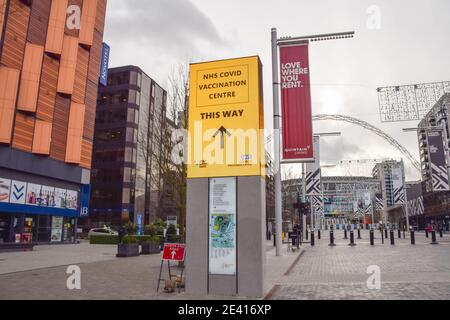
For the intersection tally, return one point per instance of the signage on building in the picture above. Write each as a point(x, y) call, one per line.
point(222, 226)
point(439, 175)
point(139, 223)
point(226, 119)
point(297, 133)
point(32, 194)
point(314, 179)
point(174, 251)
point(85, 198)
point(398, 183)
point(104, 65)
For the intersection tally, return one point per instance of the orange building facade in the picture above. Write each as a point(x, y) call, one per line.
point(50, 57)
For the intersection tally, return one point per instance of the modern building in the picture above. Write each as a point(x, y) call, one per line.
point(345, 199)
point(433, 202)
point(129, 125)
point(350, 199)
point(391, 174)
point(436, 118)
point(49, 75)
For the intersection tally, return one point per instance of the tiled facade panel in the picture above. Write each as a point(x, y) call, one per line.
point(73, 18)
point(68, 65)
point(86, 154)
point(51, 74)
point(37, 29)
point(91, 104)
point(79, 89)
point(47, 89)
point(8, 95)
point(75, 133)
point(15, 35)
point(2, 16)
point(88, 15)
point(23, 132)
point(100, 18)
point(42, 137)
point(30, 77)
point(56, 26)
point(59, 130)
point(95, 57)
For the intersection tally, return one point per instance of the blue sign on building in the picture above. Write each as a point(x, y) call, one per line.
point(85, 196)
point(139, 223)
point(104, 65)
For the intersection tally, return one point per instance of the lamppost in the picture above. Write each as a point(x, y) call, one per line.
point(276, 117)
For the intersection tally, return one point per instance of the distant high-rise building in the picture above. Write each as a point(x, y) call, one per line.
point(49, 73)
point(129, 124)
point(391, 174)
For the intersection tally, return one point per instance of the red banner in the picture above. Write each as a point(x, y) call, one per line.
point(296, 103)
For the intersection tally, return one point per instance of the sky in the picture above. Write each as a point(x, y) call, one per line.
point(397, 42)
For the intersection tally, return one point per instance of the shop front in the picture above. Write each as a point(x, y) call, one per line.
point(31, 212)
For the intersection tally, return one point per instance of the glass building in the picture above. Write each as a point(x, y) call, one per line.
point(129, 124)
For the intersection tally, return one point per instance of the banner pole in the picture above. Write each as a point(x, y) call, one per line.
point(276, 129)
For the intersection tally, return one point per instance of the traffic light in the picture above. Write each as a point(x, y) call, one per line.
point(303, 207)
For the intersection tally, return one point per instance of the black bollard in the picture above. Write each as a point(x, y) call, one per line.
point(371, 237)
point(345, 234)
point(433, 237)
point(274, 239)
point(312, 238)
point(318, 234)
point(391, 235)
point(359, 234)
point(385, 233)
point(382, 236)
point(352, 239)
point(331, 238)
point(399, 234)
point(426, 233)
point(413, 239)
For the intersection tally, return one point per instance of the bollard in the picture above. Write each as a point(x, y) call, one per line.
point(312, 238)
point(426, 233)
point(382, 236)
point(318, 234)
point(331, 238)
point(345, 234)
point(385, 233)
point(399, 233)
point(391, 235)
point(352, 239)
point(413, 239)
point(359, 234)
point(371, 237)
point(274, 239)
point(433, 237)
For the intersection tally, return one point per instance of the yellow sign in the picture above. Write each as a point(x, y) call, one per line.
point(226, 119)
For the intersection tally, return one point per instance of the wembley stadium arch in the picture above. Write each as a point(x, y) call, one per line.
point(372, 128)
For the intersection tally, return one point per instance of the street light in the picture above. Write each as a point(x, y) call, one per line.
point(276, 116)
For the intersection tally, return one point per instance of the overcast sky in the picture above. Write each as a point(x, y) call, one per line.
point(411, 45)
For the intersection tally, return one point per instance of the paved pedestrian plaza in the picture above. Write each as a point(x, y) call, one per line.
point(420, 271)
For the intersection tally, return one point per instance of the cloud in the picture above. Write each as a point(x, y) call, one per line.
point(161, 26)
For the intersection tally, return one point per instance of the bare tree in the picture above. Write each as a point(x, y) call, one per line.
point(163, 151)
